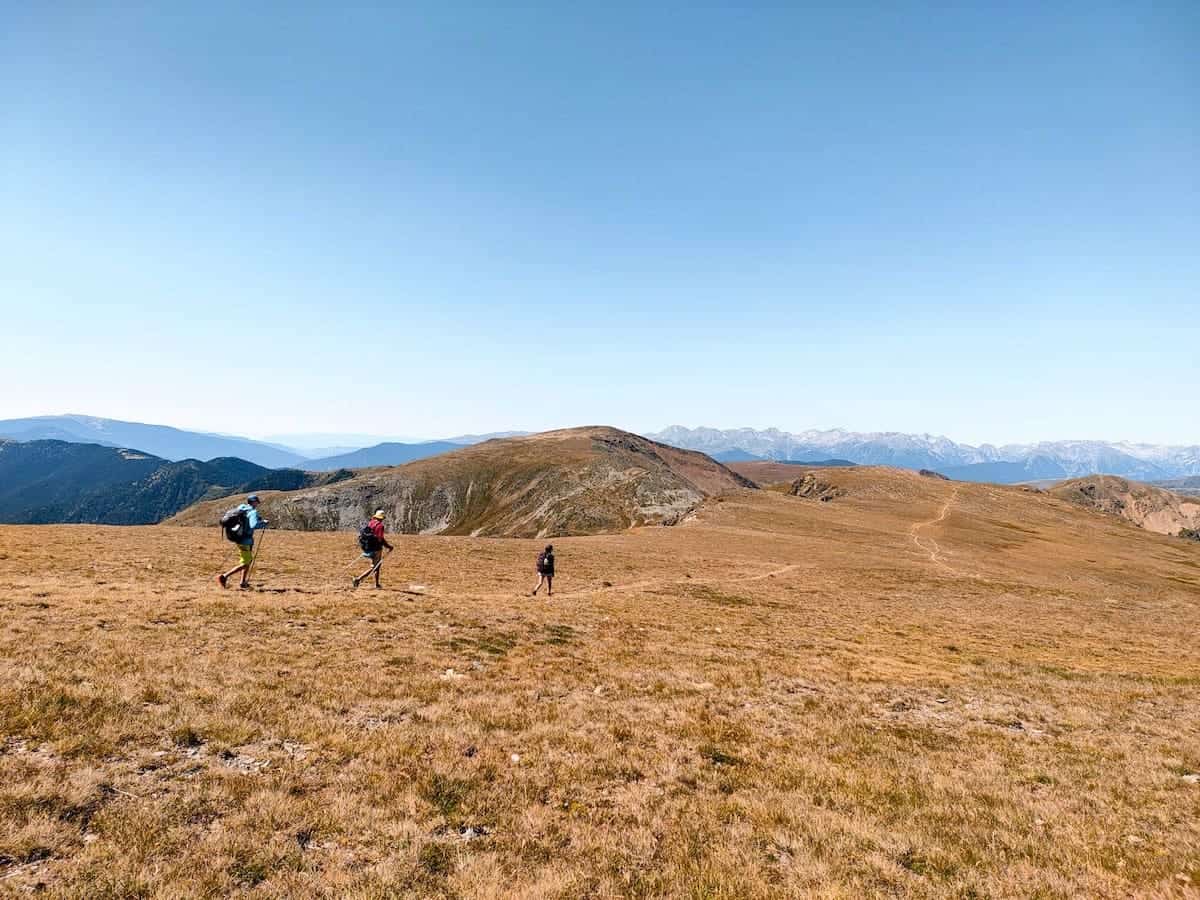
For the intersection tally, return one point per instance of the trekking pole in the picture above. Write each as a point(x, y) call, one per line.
point(361, 578)
point(373, 569)
point(254, 558)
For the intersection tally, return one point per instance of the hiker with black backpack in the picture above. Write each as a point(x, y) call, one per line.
point(239, 525)
point(545, 570)
point(373, 543)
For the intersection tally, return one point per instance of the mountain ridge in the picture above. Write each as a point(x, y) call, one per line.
point(43, 482)
point(574, 481)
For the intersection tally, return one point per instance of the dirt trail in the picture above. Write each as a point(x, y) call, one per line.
point(928, 545)
point(644, 584)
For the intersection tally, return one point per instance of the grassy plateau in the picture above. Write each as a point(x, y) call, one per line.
point(918, 689)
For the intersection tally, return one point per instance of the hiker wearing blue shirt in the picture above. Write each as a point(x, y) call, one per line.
point(240, 523)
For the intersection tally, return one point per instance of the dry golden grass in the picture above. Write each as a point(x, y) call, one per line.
point(921, 689)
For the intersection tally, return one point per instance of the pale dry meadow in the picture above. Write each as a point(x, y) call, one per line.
point(918, 689)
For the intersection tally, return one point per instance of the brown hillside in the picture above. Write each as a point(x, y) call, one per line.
point(1144, 505)
point(574, 481)
point(922, 689)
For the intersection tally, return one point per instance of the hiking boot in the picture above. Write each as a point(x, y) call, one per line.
point(245, 585)
point(354, 581)
point(221, 581)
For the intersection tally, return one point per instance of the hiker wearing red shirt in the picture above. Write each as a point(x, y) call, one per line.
point(373, 544)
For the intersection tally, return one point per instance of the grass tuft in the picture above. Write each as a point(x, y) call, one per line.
point(719, 757)
point(186, 736)
point(436, 859)
point(446, 794)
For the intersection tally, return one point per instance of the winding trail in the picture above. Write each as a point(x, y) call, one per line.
point(933, 549)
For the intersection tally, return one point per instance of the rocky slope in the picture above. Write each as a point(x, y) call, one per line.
point(574, 481)
point(1144, 505)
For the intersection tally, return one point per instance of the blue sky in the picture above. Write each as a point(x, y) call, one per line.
point(443, 218)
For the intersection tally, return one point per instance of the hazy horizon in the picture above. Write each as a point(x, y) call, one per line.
point(439, 219)
point(354, 439)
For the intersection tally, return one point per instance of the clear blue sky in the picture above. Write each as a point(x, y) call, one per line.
point(441, 218)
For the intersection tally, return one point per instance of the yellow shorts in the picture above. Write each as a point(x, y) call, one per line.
point(246, 553)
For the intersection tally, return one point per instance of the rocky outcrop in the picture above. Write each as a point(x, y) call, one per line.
point(811, 487)
point(1144, 505)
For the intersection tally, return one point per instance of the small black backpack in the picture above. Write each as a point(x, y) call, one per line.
point(236, 525)
point(368, 540)
point(545, 563)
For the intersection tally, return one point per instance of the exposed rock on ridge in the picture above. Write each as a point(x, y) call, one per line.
point(1144, 505)
point(811, 487)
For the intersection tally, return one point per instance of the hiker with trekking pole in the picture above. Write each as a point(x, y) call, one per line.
point(239, 525)
point(373, 543)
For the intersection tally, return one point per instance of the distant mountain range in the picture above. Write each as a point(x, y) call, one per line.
point(1046, 461)
point(490, 436)
point(387, 454)
point(1037, 468)
point(397, 453)
point(1007, 464)
point(315, 452)
point(57, 481)
point(158, 440)
point(313, 443)
point(328, 443)
point(737, 456)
